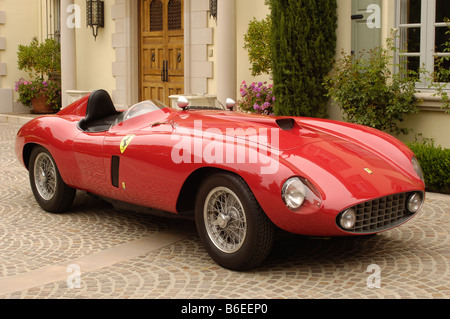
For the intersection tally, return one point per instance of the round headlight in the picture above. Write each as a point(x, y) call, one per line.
point(348, 219)
point(293, 193)
point(414, 202)
point(417, 168)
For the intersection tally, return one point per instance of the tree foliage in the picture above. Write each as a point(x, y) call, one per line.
point(39, 59)
point(257, 43)
point(303, 45)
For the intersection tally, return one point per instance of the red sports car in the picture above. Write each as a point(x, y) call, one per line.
point(240, 176)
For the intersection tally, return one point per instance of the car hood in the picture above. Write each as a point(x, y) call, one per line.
point(288, 133)
point(276, 133)
point(364, 160)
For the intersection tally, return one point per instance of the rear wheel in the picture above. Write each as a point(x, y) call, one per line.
point(231, 224)
point(49, 190)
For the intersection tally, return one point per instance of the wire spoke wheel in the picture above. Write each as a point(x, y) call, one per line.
point(235, 231)
point(45, 176)
point(49, 189)
point(225, 219)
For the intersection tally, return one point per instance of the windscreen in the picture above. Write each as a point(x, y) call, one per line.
point(140, 109)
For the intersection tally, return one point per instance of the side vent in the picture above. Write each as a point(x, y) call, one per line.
point(115, 164)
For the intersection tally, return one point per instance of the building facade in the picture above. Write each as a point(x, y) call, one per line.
point(159, 48)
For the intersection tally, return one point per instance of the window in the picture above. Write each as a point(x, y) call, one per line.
point(156, 16)
point(53, 19)
point(424, 36)
point(174, 13)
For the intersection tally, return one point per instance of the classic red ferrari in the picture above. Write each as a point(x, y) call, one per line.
point(241, 176)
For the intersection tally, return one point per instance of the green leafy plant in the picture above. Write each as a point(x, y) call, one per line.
point(435, 163)
point(369, 93)
point(39, 60)
point(257, 43)
point(303, 47)
point(257, 98)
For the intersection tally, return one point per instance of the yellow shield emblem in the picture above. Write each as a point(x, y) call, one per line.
point(125, 142)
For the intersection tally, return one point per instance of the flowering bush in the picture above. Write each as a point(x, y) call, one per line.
point(32, 89)
point(257, 98)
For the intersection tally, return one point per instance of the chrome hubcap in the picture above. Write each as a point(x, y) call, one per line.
point(225, 220)
point(45, 176)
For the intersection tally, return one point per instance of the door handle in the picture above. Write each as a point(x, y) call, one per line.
point(165, 71)
point(357, 16)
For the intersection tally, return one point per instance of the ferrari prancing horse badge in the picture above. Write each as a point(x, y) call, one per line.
point(125, 142)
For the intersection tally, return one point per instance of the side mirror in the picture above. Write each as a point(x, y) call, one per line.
point(230, 104)
point(182, 102)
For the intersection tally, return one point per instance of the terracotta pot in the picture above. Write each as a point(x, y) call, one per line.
point(40, 105)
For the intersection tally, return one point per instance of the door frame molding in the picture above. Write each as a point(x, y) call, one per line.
point(125, 69)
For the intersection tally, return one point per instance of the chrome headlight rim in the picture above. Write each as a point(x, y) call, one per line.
point(347, 219)
point(293, 193)
point(414, 202)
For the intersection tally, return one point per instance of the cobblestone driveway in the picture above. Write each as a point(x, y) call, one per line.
point(96, 252)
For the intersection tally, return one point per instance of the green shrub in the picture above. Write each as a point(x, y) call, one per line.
point(39, 59)
point(370, 94)
point(435, 162)
point(257, 43)
point(303, 41)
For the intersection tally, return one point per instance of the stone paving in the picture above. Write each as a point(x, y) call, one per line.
point(96, 252)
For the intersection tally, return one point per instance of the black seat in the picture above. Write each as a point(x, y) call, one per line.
point(100, 113)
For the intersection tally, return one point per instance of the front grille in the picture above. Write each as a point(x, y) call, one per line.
point(380, 214)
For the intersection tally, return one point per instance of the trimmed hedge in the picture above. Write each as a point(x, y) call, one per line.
point(303, 47)
point(435, 162)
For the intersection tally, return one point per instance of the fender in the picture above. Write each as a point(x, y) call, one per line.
point(56, 134)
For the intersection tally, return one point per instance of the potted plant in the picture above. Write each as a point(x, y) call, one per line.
point(41, 61)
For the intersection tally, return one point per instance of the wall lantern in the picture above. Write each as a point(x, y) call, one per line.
point(95, 15)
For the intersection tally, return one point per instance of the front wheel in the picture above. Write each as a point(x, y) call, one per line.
point(231, 224)
point(49, 190)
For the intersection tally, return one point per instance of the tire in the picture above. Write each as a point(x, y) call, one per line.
point(49, 190)
point(231, 225)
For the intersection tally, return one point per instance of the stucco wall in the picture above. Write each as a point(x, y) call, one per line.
point(20, 27)
point(94, 58)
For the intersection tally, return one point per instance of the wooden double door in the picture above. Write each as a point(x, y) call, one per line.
point(161, 52)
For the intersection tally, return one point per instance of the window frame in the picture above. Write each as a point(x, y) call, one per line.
point(52, 19)
point(427, 27)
